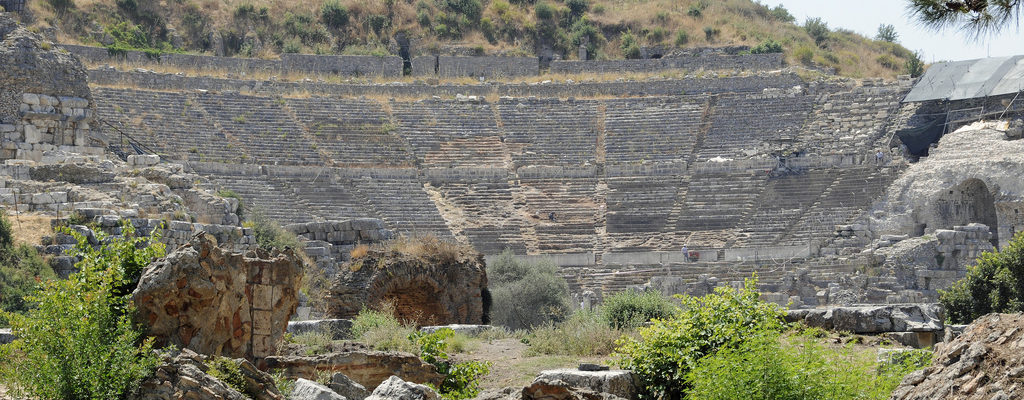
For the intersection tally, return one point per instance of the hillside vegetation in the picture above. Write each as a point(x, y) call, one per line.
point(610, 29)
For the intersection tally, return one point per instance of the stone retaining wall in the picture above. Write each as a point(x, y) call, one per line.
point(749, 62)
point(387, 66)
point(50, 123)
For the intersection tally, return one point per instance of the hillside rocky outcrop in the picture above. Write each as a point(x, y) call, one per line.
point(426, 279)
point(217, 302)
point(985, 362)
point(365, 367)
point(184, 375)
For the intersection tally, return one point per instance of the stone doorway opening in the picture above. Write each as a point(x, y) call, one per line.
point(970, 201)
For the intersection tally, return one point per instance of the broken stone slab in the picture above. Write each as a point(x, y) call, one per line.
point(465, 329)
point(351, 390)
point(621, 383)
point(308, 390)
point(143, 160)
point(337, 328)
point(394, 388)
point(367, 367)
point(553, 389)
point(6, 336)
point(873, 319)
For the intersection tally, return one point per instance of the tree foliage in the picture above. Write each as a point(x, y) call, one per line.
point(78, 341)
point(887, 33)
point(21, 270)
point(994, 284)
point(461, 380)
point(817, 29)
point(975, 17)
point(630, 309)
point(526, 294)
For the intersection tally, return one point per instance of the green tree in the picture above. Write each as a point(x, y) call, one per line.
point(994, 284)
point(817, 29)
point(78, 341)
point(333, 14)
point(21, 270)
point(976, 17)
point(526, 294)
point(914, 66)
point(887, 33)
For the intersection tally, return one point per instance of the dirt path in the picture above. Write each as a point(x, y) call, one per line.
point(509, 365)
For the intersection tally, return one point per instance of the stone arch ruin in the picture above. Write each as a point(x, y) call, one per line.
point(970, 201)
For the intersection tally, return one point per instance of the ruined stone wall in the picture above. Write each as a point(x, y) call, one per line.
point(51, 123)
point(330, 243)
point(387, 66)
point(749, 62)
point(488, 67)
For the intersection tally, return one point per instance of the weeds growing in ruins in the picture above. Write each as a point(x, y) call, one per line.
point(22, 269)
point(584, 333)
point(461, 380)
point(381, 330)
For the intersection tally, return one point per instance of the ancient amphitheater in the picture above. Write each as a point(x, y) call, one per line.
point(745, 164)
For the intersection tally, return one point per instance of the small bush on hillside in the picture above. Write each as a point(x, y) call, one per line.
point(544, 11)
point(914, 66)
point(381, 330)
point(669, 349)
point(682, 38)
point(582, 334)
point(710, 33)
point(630, 309)
point(526, 294)
point(765, 367)
point(817, 29)
point(461, 380)
point(805, 55)
point(78, 340)
point(630, 47)
point(780, 13)
point(887, 33)
point(994, 284)
point(888, 61)
point(766, 47)
point(333, 14)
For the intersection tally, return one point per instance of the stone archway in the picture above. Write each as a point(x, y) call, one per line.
point(414, 300)
point(970, 201)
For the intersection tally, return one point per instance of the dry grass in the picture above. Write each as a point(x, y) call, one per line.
point(30, 228)
point(427, 247)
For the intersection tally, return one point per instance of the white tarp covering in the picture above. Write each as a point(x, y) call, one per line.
point(959, 80)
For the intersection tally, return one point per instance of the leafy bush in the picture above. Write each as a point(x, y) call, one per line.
point(780, 13)
point(333, 14)
point(805, 55)
point(229, 372)
point(577, 7)
point(994, 284)
point(544, 11)
point(711, 32)
point(461, 380)
point(582, 334)
point(526, 294)
point(61, 5)
point(21, 270)
point(888, 61)
point(78, 341)
point(763, 367)
point(669, 349)
point(695, 11)
point(630, 309)
point(471, 9)
point(682, 38)
point(269, 234)
point(630, 47)
point(817, 29)
point(914, 66)
point(767, 46)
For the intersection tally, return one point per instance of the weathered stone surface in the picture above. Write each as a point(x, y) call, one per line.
point(469, 330)
point(308, 390)
point(183, 375)
point(433, 282)
point(6, 336)
point(985, 362)
point(348, 388)
point(212, 301)
point(337, 328)
point(874, 319)
point(394, 388)
point(620, 383)
point(367, 367)
point(548, 389)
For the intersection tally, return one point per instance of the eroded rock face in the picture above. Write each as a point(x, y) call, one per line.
point(985, 362)
point(433, 287)
point(207, 299)
point(183, 375)
point(394, 388)
point(873, 319)
point(620, 383)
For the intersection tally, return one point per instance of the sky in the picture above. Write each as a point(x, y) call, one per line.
point(864, 16)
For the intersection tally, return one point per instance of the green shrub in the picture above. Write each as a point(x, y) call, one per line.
point(61, 5)
point(577, 7)
point(584, 29)
point(817, 29)
point(630, 309)
point(710, 33)
point(333, 14)
point(805, 55)
point(471, 9)
point(656, 35)
point(780, 13)
point(21, 270)
point(582, 334)
point(887, 33)
point(377, 22)
point(682, 38)
point(78, 340)
point(461, 380)
point(544, 11)
point(887, 61)
point(994, 284)
point(914, 66)
point(526, 294)
point(629, 46)
point(763, 367)
point(668, 349)
point(767, 46)
point(695, 11)
point(314, 343)
point(229, 372)
point(381, 330)
point(269, 234)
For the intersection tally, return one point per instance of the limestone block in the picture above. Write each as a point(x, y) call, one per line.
point(4, 128)
point(394, 388)
point(32, 134)
point(620, 383)
point(337, 328)
point(30, 99)
point(309, 390)
point(143, 160)
point(351, 390)
point(48, 100)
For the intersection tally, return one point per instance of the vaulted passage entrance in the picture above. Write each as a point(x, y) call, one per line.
point(970, 201)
